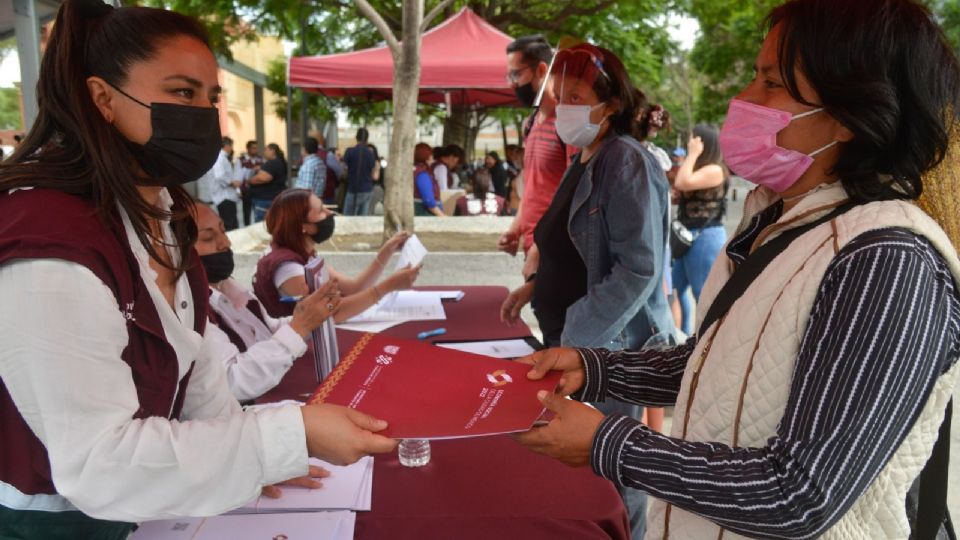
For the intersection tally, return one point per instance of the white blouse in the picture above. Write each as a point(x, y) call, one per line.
point(271, 347)
point(63, 334)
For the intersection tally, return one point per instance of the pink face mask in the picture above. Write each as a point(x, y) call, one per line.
point(748, 140)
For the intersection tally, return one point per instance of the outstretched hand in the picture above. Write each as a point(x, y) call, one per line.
point(569, 436)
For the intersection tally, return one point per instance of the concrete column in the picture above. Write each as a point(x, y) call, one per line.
point(27, 29)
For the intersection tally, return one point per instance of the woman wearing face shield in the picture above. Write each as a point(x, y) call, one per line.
point(602, 241)
point(605, 230)
point(812, 395)
point(114, 407)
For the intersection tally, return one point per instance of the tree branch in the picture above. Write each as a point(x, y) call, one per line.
point(433, 14)
point(554, 23)
point(370, 13)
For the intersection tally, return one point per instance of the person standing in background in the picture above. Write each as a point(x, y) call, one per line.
point(360, 163)
point(268, 182)
point(546, 157)
point(245, 167)
point(224, 186)
point(702, 183)
point(312, 175)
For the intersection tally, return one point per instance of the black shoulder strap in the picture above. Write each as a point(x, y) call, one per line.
point(748, 271)
point(932, 496)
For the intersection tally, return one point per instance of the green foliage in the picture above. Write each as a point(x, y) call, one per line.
point(948, 15)
point(328, 26)
point(10, 109)
point(731, 32)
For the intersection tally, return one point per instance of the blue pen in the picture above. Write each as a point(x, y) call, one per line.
point(432, 333)
point(290, 299)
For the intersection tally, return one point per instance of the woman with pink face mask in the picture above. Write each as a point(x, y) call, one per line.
point(811, 399)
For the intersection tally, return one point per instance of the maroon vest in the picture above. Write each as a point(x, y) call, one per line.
point(253, 307)
point(263, 286)
point(46, 224)
point(421, 168)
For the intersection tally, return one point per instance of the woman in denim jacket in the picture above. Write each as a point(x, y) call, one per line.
point(603, 238)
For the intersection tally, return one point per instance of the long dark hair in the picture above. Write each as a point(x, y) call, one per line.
point(883, 69)
point(276, 150)
point(71, 147)
point(711, 154)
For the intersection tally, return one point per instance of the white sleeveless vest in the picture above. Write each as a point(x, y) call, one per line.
point(738, 379)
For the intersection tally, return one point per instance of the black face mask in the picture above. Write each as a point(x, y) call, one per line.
point(324, 230)
point(526, 94)
point(219, 266)
point(184, 144)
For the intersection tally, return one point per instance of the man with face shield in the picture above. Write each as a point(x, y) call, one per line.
point(546, 157)
point(602, 240)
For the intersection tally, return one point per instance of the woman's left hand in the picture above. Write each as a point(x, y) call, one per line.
point(694, 146)
point(569, 436)
point(308, 481)
point(394, 244)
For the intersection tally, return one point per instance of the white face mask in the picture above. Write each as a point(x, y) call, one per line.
point(574, 126)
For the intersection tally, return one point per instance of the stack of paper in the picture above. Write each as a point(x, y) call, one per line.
point(347, 488)
point(317, 526)
point(403, 307)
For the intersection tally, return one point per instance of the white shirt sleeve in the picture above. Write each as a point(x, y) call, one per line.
point(222, 171)
point(62, 335)
point(286, 271)
point(440, 173)
point(252, 373)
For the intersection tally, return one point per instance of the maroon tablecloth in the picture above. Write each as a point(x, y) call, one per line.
point(483, 488)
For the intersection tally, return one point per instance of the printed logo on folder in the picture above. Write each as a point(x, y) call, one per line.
point(429, 392)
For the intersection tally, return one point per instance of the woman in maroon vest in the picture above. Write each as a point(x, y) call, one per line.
point(265, 347)
point(299, 222)
point(114, 406)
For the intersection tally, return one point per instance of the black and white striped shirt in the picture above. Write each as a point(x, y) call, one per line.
point(885, 325)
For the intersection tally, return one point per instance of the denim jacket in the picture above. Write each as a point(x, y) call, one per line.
point(619, 223)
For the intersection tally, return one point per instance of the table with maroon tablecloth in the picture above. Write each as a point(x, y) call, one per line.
point(489, 487)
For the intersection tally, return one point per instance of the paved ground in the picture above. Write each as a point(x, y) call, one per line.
point(475, 268)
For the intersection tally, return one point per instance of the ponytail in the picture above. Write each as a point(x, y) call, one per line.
point(71, 147)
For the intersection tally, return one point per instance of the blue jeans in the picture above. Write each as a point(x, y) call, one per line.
point(260, 208)
point(356, 204)
point(692, 269)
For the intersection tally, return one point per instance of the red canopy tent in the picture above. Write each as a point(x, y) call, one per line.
point(463, 62)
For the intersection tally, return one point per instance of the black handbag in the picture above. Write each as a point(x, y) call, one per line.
point(680, 239)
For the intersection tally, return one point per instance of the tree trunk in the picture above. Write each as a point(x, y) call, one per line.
point(398, 185)
point(455, 126)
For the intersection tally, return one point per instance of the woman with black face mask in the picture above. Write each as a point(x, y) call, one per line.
point(299, 222)
point(265, 347)
point(114, 403)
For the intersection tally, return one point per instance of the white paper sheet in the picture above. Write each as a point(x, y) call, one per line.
point(412, 253)
point(313, 526)
point(369, 327)
point(402, 307)
point(505, 348)
point(347, 488)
